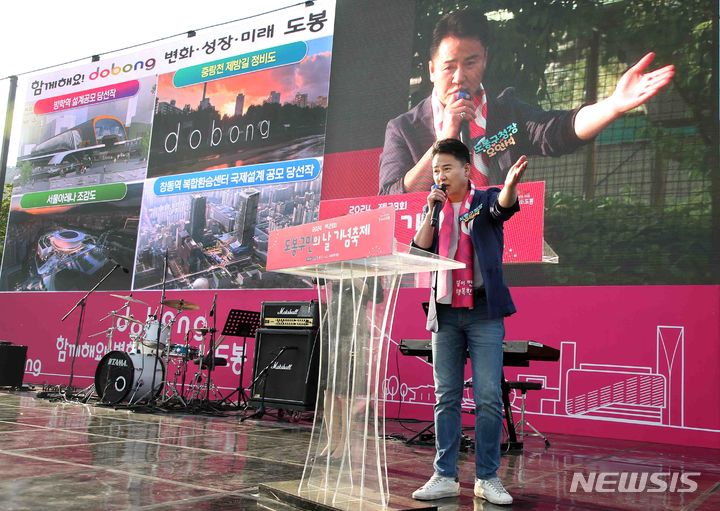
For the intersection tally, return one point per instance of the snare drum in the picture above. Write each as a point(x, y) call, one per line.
point(180, 350)
point(128, 377)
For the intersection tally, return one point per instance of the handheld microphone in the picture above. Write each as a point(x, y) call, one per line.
point(464, 133)
point(437, 207)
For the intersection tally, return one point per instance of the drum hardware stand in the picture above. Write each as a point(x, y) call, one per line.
point(202, 361)
point(69, 390)
point(241, 323)
point(188, 356)
point(194, 385)
point(88, 392)
point(186, 359)
point(100, 402)
point(155, 390)
point(151, 405)
point(180, 306)
point(174, 393)
point(151, 401)
point(211, 352)
point(171, 387)
point(199, 390)
point(209, 361)
point(260, 411)
point(112, 315)
point(167, 347)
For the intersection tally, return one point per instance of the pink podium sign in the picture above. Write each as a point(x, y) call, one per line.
point(523, 233)
point(353, 236)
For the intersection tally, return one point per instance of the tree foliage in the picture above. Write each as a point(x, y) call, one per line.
point(4, 212)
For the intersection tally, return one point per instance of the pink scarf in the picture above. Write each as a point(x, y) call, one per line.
point(463, 279)
point(480, 162)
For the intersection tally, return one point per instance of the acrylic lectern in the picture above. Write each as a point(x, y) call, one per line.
point(356, 264)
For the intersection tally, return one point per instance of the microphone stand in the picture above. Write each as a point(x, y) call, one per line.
point(152, 399)
point(81, 303)
point(260, 411)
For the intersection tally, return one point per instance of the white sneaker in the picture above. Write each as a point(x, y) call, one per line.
point(438, 487)
point(492, 490)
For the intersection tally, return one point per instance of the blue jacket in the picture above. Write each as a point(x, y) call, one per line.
point(486, 230)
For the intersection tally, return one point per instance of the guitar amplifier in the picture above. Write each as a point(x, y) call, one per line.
point(289, 358)
point(290, 315)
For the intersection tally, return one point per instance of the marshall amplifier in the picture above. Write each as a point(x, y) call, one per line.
point(285, 369)
point(290, 315)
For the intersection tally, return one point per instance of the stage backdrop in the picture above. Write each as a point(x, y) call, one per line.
point(175, 162)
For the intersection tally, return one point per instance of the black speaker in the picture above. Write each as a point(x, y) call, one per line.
point(291, 379)
point(12, 365)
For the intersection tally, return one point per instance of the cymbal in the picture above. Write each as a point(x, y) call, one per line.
point(181, 305)
point(129, 318)
point(129, 298)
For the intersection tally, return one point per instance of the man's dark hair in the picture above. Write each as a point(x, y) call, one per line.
point(453, 147)
point(468, 23)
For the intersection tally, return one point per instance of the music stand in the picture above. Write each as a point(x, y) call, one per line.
point(241, 323)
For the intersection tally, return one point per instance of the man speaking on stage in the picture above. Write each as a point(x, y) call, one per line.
point(466, 314)
point(499, 129)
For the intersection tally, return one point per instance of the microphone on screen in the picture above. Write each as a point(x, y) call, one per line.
point(464, 133)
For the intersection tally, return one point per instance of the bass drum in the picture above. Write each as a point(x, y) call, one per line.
point(127, 377)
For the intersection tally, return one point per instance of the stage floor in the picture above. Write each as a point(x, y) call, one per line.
point(57, 456)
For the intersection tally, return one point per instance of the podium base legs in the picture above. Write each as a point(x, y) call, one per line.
point(286, 492)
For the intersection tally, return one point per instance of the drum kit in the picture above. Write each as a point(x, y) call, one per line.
point(153, 361)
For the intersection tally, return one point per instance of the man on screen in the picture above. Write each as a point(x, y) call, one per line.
point(497, 130)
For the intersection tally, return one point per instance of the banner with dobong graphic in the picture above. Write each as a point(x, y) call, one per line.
point(220, 137)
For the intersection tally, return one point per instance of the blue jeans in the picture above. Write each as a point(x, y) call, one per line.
point(459, 330)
